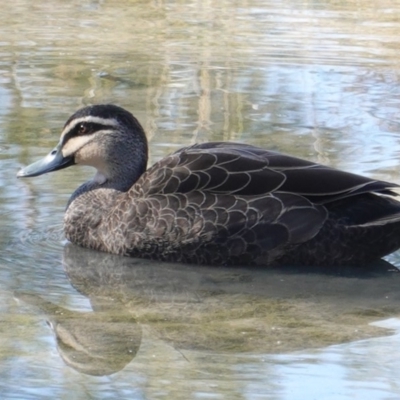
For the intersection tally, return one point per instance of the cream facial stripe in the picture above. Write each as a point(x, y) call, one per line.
point(73, 144)
point(90, 119)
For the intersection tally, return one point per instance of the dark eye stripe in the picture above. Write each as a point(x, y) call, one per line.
point(84, 128)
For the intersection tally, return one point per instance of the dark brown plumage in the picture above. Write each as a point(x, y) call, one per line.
point(216, 203)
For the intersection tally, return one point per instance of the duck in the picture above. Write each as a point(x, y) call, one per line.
point(216, 203)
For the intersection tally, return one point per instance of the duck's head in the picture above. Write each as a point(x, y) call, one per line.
point(104, 136)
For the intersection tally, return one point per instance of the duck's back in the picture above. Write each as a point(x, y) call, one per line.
point(219, 203)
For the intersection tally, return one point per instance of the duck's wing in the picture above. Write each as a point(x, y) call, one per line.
point(234, 168)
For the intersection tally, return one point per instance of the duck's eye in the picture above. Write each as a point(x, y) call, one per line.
point(83, 129)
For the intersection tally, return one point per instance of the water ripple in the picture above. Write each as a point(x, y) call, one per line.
point(49, 240)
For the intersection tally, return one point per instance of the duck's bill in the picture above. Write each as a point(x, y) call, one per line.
point(52, 162)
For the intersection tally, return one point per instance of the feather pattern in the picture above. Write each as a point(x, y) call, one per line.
point(220, 203)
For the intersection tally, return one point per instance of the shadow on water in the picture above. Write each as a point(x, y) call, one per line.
point(219, 310)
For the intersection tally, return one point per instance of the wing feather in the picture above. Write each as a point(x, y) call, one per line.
point(239, 169)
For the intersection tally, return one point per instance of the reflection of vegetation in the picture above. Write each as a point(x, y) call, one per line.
point(204, 71)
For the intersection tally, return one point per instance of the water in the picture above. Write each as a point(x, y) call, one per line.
point(319, 80)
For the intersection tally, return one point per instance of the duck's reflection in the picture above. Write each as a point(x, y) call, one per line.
point(96, 343)
point(214, 309)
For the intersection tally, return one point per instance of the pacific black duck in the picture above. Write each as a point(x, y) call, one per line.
point(216, 203)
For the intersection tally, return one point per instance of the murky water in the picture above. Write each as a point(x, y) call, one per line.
point(316, 79)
